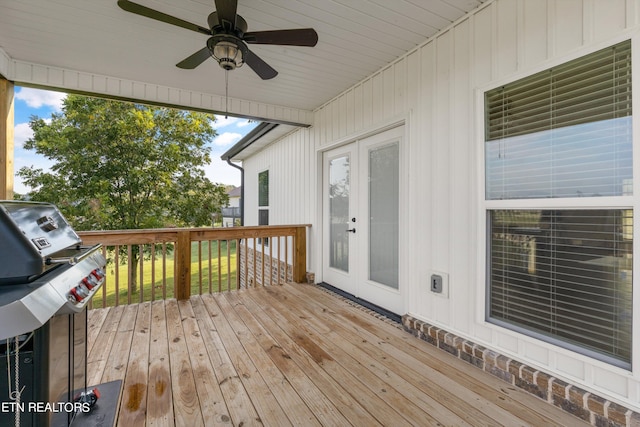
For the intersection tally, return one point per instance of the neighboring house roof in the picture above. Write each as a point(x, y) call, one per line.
point(235, 192)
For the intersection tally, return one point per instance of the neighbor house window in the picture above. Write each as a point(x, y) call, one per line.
point(558, 187)
point(263, 200)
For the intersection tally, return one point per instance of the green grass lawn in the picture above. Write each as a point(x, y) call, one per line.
point(152, 286)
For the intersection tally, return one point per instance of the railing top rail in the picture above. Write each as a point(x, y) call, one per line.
point(143, 261)
point(159, 235)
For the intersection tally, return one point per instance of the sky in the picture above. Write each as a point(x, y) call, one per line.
point(42, 103)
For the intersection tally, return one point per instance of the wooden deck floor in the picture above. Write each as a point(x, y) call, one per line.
point(290, 355)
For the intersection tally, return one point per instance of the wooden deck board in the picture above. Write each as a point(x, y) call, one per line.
point(100, 349)
point(214, 410)
point(303, 403)
point(95, 320)
point(290, 355)
point(134, 394)
point(404, 397)
point(265, 374)
point(238, 377)
point(186, 406)
point(513, 401)
point(408, 376)
point(118, 359)
point(357, 403)
point(468, 381)
point(159, 396)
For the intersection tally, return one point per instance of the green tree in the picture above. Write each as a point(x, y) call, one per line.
point(119, 165)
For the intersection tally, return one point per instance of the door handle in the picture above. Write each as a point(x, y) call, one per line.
point(352, 230)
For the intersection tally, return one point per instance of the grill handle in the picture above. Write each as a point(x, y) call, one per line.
point(72, 259)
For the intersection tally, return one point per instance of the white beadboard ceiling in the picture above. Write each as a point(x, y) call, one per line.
point(356, 39)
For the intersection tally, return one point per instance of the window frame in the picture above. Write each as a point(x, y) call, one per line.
point(569, 203)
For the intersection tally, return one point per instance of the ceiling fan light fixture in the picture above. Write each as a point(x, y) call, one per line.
point(227, 51)
point(228, 39)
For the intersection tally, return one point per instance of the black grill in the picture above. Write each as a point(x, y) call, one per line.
point(47, 277)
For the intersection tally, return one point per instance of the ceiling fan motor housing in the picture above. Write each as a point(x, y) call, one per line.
point(240, 26)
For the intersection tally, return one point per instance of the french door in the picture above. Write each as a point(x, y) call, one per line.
point(362, 227)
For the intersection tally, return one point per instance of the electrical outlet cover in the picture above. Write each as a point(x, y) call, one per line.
point(439, 284)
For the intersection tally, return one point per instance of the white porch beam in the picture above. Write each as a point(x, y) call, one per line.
point(72, 81)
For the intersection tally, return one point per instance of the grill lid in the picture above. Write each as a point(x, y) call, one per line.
point(31, 232)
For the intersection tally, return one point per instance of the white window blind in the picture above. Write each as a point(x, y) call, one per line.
point(563, 132)
point(565, 275)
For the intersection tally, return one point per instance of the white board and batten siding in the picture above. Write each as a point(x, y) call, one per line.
point(29, 74)
point(436, 91)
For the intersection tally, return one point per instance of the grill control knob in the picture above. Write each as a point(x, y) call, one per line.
point(90, 284)
point(98, 274)
point(76, 296)
point(82, 290)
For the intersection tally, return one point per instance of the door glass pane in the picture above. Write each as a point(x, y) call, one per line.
point(384, 180)
point(339, 213)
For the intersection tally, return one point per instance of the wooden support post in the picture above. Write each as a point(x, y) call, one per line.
point(183, 265)
point(300, 255)
point(6, 139)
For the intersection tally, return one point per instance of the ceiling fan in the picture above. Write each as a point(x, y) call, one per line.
point(228, 39)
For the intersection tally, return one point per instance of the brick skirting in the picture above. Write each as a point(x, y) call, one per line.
point(571, 398)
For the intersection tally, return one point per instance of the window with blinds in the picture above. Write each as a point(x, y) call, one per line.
point(263, 188)
point(563, 275)
point(563, 132)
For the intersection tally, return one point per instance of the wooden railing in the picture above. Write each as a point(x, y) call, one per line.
point(145, 265)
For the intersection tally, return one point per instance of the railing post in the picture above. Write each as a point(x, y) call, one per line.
point(300, 255)
point(183, 265)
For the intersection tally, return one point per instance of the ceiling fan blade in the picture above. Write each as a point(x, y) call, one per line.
point(296, 37)
point(262, 69)
point(194, 60)
point(138, 9)
point(227, 10)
